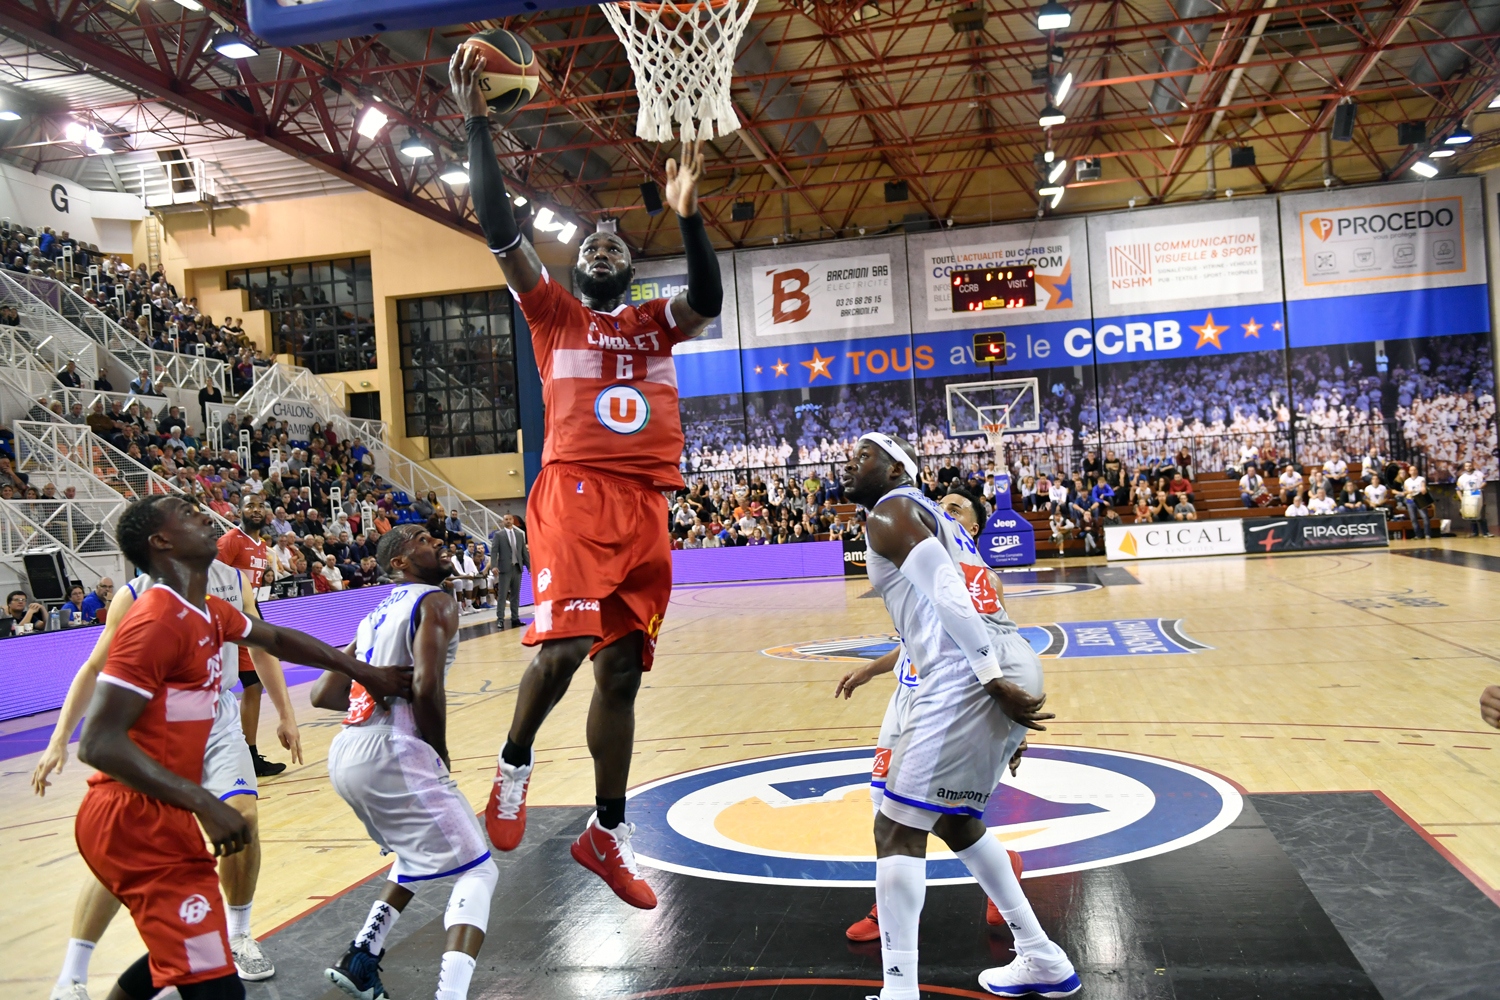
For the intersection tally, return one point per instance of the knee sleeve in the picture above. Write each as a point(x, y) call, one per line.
point(224, 988)
point(135, 982)
point(470, 901)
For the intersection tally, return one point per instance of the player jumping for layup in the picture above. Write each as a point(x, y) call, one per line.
point(600, 551)
point(979, 689)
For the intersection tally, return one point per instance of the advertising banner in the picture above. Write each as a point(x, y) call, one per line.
point(854, 557)
point(1301, 534)
point(1007, 539)
point(1174, 538)
point(1212, 257)
point(844, 294)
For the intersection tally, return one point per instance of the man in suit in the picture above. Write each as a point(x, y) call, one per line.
point(509, 555)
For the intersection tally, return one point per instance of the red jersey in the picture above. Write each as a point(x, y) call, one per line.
point(172, 653)
point(608, 384)
point(244, 553)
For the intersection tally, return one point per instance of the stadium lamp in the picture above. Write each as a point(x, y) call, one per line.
point(414, 148)
point(1459, 137)
point(1495, 102)
point(1440, 152)
point(6, 115)
point(1053, 16)
point(1059, 167)
point(454, 175)
point(1424, 169)
point(371, 121)
point(232, 46)
point(1053, 191)
point(1063, 88)
point(547, 222)
point(1050, 116)
point(83, 135)
point(518, 200)
point(189, 4)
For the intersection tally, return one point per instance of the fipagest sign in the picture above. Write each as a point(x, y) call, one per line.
point(1170, 539)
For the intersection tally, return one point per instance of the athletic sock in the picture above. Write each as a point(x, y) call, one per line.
point(378, 924)
point(990, 866)
point(239, 921)
point(253, 752)
point(515, 756)
point(900, 891)
point(75, 967)
point(611, 811)
point(453, 980)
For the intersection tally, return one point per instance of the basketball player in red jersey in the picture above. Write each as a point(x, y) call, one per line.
point(600, 553)
point(138, 827)
point(245, 550)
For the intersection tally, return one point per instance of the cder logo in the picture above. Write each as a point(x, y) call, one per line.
point(1004, 543)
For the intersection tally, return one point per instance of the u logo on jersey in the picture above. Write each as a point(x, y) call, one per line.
point(622, 408)
point(804, 818)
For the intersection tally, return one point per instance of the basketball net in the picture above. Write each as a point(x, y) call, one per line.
point(995, 434)
point(682, 54)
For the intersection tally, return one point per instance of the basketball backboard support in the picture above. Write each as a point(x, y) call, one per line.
point(297, 22)
point(1012, 402)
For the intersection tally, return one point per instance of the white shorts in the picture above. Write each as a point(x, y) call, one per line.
point(897, 710)
point(407, 801)
point(955, 741)
point(227, 768)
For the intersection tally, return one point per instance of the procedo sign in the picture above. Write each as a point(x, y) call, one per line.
point(299, 418)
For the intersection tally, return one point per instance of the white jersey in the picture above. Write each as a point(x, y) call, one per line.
point(916, 620)
point(385, 639)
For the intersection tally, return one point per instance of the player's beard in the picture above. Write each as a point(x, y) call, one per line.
point(607, 289)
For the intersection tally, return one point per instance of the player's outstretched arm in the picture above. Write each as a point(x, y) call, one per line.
point(331, 691)
point(866, 672)
point(106, 745)
point(695, 307)
point(497, 217)
point(429, 703)
point(273, 678)
point(80, 693)
point(299, 647)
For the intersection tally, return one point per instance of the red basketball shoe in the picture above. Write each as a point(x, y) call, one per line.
point(505, 815)
point(866, 928)
point(991, 911)
point(607, 854)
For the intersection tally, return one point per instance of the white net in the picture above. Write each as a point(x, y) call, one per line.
point(682, 55)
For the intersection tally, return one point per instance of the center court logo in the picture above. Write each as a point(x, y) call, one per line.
point(804, 818)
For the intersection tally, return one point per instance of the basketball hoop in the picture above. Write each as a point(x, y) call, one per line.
point(682, 53)
point(995, 435)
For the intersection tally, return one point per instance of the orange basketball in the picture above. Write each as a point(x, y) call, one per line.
point(509, 77)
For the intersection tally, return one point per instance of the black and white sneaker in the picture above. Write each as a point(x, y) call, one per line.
point(358, 974)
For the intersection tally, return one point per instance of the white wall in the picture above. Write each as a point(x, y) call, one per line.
point(99, 217)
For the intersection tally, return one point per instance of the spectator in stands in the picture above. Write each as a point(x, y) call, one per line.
point(1351, 499)
point(30, 616)
point(69, 375)
point(210, 393)
point(1249, 459)
point(328, 572)
point(1101, 497)
point(1321, 503)
point(10, 477)
point(1334, 471)
point(1184, 509)
point(98, 599)
point(1290, 482)
point(1418, 503)
point(1092, 467)
point(1161, 506)
point(72, 609)
point(1470, 485)
point(1180, 485)
point(1377, 497)
point(1298, 506)
point(1252, 486)
point(453, 527)
point(142, 385)
point(367, 575)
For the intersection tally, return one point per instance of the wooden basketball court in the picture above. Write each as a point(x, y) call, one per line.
point(1336, 673)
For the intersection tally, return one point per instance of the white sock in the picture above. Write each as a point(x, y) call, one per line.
point(990, 866)
point(900, 891)
point(239, 921)
point(453, 980)
point(378, 924)
point(76, 963)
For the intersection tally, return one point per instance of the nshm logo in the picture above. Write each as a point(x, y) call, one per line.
point(622, 408)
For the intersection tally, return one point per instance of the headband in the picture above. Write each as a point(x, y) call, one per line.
point(888, 444)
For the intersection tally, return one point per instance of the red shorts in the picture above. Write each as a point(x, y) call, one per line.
point(601, 558)
point(152, 857)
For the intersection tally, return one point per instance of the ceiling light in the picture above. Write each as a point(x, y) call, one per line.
point(1424, 169)
point(518, 200)
point(1059, 167)
point(1053, 16)
point(9, 116)
point(568, 232)
point(1459, 137)
point(454, 175)
point(371, 121)
point(1440, 152)
point(1053, 191)
point(1495, 102)
point(190, 4)
point(414, 148)
point(1050, 116)
point(545, 221)
point(1063, 87)
point(233, 46)
point(1048, 156)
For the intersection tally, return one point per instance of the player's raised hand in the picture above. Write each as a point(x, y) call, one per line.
point(682, 180)
point(463, 77)
point(226, 829)
point(1019, 704)
point(53, 759)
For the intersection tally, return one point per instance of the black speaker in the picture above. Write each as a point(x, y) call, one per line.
point(895, 191)
point(1411, 133)
point(1087, 169)
point(47, 575)
point(1343, 123)
point(1242, 156)
point(743, 211)
point(651, 195)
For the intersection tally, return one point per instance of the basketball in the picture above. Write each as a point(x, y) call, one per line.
point(509, 77)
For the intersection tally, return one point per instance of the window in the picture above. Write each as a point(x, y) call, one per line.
point(458, 368)
point(321, 311)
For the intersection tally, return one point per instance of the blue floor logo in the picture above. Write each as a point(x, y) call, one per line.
point(1052, 640)
point(804, 818)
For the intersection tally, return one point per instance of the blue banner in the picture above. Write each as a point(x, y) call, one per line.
point(1420, 312)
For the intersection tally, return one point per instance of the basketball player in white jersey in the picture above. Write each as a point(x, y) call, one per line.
point(391, 766)
point(979, 689)
point(228, 772)
point(970, 513)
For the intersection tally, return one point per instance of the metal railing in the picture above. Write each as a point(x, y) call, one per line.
point(58, 454)
point(83, 529)
point(174, 182)
point(47, 332)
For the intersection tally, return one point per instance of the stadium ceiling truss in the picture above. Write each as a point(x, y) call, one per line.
point(838, 97)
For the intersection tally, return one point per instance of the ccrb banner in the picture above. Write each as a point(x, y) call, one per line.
point(1302, 534)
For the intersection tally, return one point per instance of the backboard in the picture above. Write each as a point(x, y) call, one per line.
point(1013, 402)
point(297, 22)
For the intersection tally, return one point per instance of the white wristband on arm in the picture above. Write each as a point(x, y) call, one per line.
point(931, 571)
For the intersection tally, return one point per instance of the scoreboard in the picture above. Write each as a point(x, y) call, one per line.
point(993, 288)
